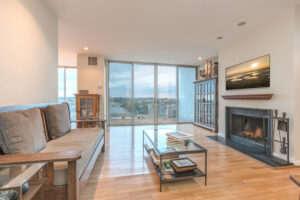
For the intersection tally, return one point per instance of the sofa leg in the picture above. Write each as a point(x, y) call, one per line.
point(50, 173)
point(103, 148)
point(73, 181)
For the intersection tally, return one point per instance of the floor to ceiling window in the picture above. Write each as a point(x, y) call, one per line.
point(186, 104)
point(144, 105)
point(67, 88)
point(150, 93)
point(120, 93)
point(166, 94)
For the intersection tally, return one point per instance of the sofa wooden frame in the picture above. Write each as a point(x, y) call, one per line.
point(75, 182)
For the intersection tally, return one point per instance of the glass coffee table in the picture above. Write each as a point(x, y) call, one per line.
point(157, 140)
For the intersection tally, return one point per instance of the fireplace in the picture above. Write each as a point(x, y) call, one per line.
point(250, 127)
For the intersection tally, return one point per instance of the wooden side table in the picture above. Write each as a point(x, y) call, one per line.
point(90, 123)
point(13, 178)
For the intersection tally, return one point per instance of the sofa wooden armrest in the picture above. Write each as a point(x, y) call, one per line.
point(67, 178)
point(70, 156)
point(40, 157)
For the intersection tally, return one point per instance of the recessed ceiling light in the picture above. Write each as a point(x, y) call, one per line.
point(199, 58)
point(241, 23)
point(220, 38)
point(86, 48)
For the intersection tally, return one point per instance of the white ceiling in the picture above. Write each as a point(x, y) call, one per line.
point(162, 31)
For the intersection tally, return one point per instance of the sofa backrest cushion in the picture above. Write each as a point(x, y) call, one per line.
point(58, 120)
point(22, 132)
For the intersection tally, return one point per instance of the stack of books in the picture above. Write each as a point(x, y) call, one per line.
point(166, 158)
point(178, 139)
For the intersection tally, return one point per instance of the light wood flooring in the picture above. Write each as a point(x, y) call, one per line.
point(122, 173)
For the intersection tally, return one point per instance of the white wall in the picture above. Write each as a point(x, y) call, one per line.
point(296, 76)
point(28, 53)
point(275, 37)
point(88, 77)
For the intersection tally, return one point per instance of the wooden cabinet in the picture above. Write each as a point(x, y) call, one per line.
point(87, 106)
point(206, 108)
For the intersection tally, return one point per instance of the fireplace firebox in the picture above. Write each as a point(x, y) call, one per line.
point(248, 125)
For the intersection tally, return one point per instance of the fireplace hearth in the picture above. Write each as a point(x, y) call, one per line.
point(249, 131)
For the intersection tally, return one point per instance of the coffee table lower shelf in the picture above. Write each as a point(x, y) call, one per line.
point(177, 176)
point(196, 173)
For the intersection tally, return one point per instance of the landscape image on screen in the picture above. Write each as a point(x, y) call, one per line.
point(251, 74)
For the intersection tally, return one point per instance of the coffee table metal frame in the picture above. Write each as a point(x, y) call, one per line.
point(198, 172)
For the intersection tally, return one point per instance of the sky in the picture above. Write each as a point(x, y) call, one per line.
point(120, 81)
point(71, 82)
point(252, 65)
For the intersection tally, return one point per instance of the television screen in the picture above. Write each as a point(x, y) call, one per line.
point(251, 74)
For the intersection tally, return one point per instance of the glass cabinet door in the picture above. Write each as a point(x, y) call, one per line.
point(87, 109)
point(90, 106)
point(205, 103)
point(83, 110)
point(82, 102)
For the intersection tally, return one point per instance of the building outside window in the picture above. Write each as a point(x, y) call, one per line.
point(67, 87)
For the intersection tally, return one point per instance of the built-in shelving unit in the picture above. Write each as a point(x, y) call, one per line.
point(206, 108)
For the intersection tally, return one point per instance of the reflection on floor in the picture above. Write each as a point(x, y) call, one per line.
point(122, 172)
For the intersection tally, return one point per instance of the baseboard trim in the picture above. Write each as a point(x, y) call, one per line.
point(297, 162)
point(278, 155)
point(221, 134)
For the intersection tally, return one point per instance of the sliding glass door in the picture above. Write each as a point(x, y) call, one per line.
point(186, 77)
point(166, 94)
point(120, 93)
point(150, 93)
point(143, 100)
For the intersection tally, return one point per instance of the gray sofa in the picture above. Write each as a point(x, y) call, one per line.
point(46, 129)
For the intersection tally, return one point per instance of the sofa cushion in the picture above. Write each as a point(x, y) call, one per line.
point(82, 139)
point(58, 118)
point(22, 132)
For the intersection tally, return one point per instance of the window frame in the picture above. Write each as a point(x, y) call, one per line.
point(65, 78)
point(107, 62)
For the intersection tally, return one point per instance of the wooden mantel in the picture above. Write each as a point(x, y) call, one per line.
point(248, 97)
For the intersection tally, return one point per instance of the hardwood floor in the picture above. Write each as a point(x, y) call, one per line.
point(122, 173)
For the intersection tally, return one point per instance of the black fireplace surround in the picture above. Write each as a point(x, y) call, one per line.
point(249, 131)
point(250, 127)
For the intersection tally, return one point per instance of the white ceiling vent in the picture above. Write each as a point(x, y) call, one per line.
point(92, 61)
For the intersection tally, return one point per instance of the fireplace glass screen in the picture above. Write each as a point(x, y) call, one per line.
point(250, 128)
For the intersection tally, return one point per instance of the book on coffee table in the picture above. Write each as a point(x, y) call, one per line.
point(179, 136)
point(182, 165)
point(186, 162)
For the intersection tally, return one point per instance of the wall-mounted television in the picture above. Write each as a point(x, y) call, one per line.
point(251, 74)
